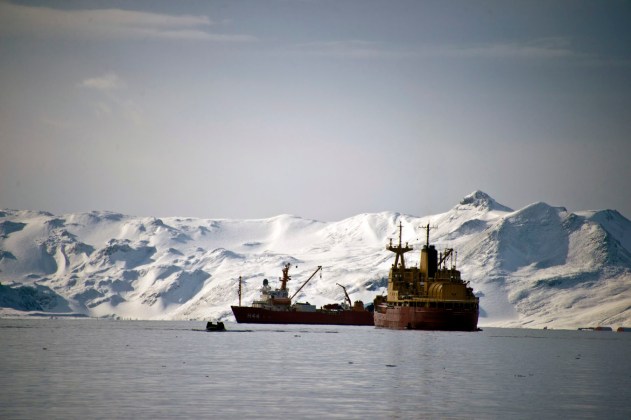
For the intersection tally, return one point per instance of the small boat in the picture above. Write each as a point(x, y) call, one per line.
point(210, 326)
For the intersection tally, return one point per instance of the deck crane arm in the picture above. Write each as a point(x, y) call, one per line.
point(350, 304)
point(444, 257)
point(303, 284)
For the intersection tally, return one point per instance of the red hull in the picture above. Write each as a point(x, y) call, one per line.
point(416, 318)
point(249, 315)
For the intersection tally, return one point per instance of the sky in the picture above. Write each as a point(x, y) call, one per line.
point(321, 109)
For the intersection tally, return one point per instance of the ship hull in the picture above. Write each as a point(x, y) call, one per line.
point(415, 318)
point(249, 315)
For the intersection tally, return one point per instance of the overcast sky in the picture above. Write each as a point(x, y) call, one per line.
point(321, 109)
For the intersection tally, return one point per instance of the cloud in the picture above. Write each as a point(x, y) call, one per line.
point(109, 81)
point(544, 48)
point(351, 49)
point(108, 24)
point(112, 100)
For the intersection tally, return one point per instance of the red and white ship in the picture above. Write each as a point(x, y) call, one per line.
point(275, 307)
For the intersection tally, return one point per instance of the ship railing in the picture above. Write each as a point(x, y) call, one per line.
point(448, 305)
point(440, 303)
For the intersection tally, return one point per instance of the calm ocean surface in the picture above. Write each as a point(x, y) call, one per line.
point(72, 368)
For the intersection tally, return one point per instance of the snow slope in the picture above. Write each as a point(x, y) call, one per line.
point(537, 266)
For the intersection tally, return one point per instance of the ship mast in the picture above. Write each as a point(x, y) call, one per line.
point(399, 250)
point(427, 228)
point(240, 290)
point(285, 278)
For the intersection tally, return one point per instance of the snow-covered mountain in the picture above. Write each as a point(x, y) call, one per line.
point(537, 266)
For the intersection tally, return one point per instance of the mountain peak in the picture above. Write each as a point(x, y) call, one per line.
point(482, 200)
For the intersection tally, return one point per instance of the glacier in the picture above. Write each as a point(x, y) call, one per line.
point(539, 266)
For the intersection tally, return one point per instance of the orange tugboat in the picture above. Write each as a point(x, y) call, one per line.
point(432, 297)
point(275, 307)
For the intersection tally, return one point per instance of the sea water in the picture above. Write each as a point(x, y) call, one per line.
point(69, 368)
